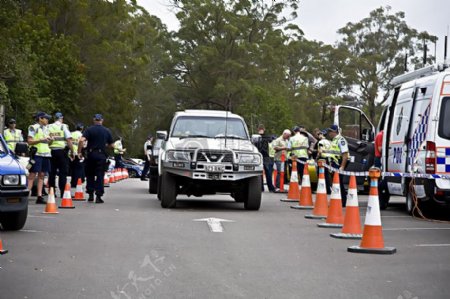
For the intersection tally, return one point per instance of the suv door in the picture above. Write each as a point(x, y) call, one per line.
point(360, 133)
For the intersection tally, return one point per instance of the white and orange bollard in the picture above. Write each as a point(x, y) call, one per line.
point(372, 239)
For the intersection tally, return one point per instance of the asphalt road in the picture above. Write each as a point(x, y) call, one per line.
point(130, 247)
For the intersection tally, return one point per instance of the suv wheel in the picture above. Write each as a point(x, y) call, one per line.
point(153, 185)
point(168, 191)
point(253, 200)
point(14, 220)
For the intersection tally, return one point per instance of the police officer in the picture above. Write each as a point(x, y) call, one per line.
point(59, 162)
point(265, 148)
point(76, 165)
point(118, 152)
point(299, 149)
point(338, 156)
point(39, 139)
point(98, 138)
point(12, 135)
point(323, 146)
point(147, 154)
point(280, 145)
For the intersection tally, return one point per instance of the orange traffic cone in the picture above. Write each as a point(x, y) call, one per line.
point(112, 177)
point(2, 251)
point(275, 172)
point(321, 203)
point(79, 194)
point(352, 221)
point(66, 202)
point(106, 180)
point(50, 207)
point(305, 202)
point(372, 239)
point(335, 216)
point(294, 190)
point(126, 173)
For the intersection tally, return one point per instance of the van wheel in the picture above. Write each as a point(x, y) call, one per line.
point(14, 220)
point(253, 200)
point(168, 191)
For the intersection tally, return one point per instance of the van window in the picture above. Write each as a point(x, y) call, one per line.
point(444, 127)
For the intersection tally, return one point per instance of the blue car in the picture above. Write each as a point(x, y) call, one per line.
point(13, 190)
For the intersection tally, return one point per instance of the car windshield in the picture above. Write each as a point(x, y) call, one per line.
point(209, 127)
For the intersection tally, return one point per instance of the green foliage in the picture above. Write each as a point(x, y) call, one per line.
point(379, 44)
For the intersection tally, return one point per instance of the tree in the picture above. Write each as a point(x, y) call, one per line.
point(379, 44)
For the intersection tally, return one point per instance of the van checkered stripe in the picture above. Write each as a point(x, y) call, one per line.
point(443, 160)
point(419, 135)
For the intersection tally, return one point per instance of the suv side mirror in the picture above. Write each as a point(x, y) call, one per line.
point(256, 138)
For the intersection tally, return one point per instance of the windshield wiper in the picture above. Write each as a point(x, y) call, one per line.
point(194, 136)
point(231, 137)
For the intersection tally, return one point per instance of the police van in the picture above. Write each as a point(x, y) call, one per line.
point(416, 137)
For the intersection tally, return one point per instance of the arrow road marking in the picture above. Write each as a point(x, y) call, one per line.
point(214, 224)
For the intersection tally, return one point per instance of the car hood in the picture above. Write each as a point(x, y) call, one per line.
point(9, 165)
point(211, 144)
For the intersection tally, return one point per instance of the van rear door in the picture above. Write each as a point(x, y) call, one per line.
point(359, 132)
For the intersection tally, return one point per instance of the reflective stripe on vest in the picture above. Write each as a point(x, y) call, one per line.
point(42, 147)
point(117, 147)
point(271, 150)
point(335, 151)
point(57, 132)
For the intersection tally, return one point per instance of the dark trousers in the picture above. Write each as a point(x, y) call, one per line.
point(146, 168)
point(118, 160)
point(341, 184)
point(59, 164)
point(268, 170)
point(301, 168)
point(95, 172)
point(77, 168)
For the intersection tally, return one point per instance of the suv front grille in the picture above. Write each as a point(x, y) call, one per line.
point(204, 156)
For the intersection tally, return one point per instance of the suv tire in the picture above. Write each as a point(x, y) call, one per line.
point(253, 200)
point(168, 191)
point(14, 220)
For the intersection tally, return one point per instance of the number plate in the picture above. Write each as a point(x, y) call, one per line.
point(214, 168)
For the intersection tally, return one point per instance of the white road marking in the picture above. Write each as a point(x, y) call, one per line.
point(30, 231)
point(36, 216)
point(417, 228)
point(214, 224)
point(432, 245)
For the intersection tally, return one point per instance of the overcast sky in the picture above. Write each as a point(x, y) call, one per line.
point(320, 19)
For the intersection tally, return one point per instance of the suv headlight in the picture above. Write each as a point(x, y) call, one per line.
point(11, 180)
point(249, 159)
point(178, 156)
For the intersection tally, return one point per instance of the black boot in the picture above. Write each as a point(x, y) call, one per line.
point(91, 197)
point(98, 199)
point(40, 200)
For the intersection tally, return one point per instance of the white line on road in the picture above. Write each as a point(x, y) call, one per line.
point(214, 224)
point(45, 217)
point(30, 231)
point(432, 245)
point(417, 228)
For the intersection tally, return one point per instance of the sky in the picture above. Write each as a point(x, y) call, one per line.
point(320, 19)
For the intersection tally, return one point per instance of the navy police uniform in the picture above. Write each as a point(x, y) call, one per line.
point(98, 137)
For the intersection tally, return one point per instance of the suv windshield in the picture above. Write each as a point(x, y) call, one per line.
point(444, 128)
point(209, 127)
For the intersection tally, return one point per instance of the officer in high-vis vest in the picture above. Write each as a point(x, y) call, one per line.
point(299, 149)
point(338, 156)
point(323, 145)
point(118, 152)
point(39, 139)
point(62, 141)
point(76, 164)
point(12, 135)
